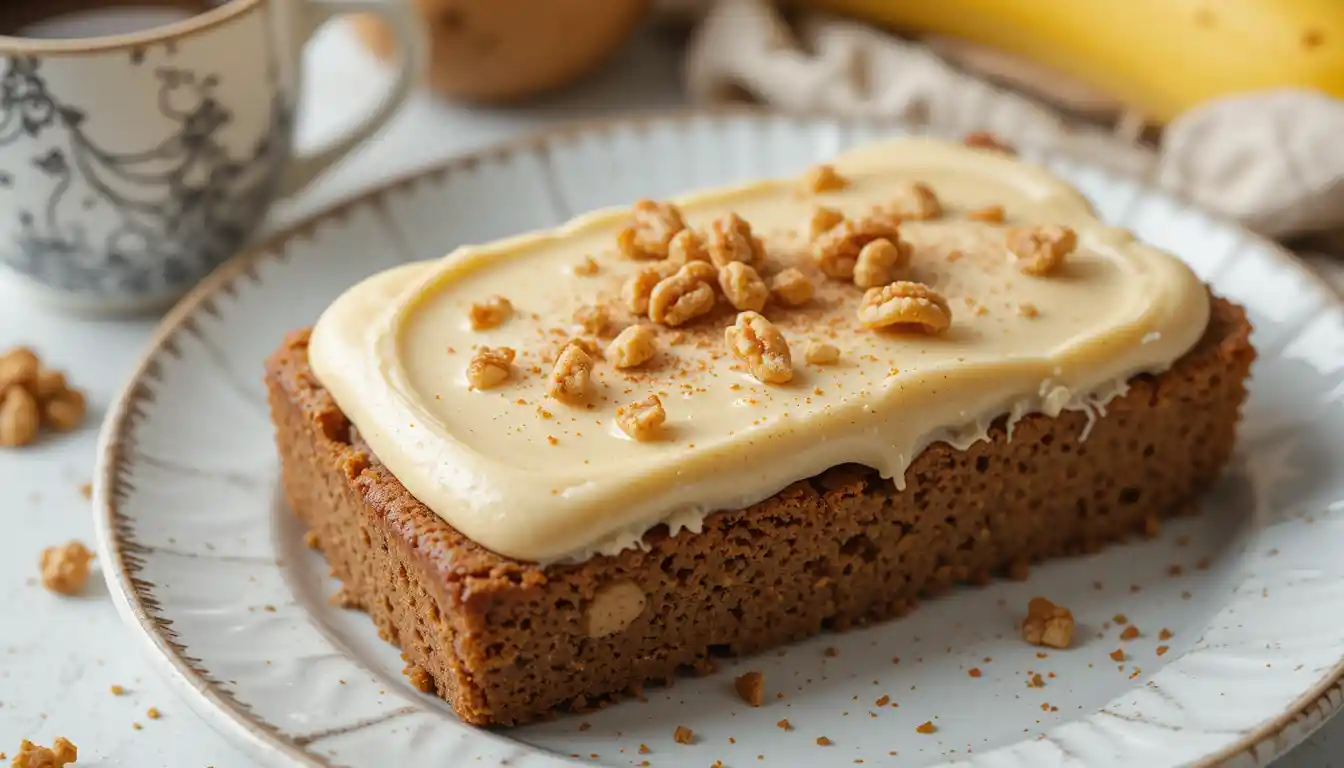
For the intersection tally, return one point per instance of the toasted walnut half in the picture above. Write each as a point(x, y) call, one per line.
point(490, 313)
point(684, 296)
point(757, 342)
point(823, 178)
point(655, 224)
point(879, 261)
point(687, 246)
point(644, 419)
point(571, 377)
point(836, 251)
point(743, 287)
point(792, 288)
point(490, 367)
point(821, 221)
point(730, 239)
point(1041, 250)
point(635, 291)
point(916, 202)
point(633, 346)
point(905, 304)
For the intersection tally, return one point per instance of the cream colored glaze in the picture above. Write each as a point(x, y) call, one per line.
point(394, 349)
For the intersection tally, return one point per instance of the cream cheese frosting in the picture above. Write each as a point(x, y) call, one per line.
point(534, 478)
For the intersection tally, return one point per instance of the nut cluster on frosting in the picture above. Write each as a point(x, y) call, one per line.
point(691, 272)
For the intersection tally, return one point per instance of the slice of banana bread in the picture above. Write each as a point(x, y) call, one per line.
point(506, 641)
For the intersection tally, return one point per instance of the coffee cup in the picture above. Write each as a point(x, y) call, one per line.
point(132, 164)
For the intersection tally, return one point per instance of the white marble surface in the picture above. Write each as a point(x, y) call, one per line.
point(58, 656)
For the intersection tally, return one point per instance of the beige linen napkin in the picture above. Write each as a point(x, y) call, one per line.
point(1272, 160)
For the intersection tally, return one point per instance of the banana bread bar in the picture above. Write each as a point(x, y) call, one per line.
point(506, 641)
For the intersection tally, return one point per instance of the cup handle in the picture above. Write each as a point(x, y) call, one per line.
point(412, 51)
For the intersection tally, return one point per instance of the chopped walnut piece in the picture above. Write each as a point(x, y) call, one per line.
point(1041, 250)
point(878, 260)
point(655, 224)
point(635, 291)
point(30, 755)
point(20, 418)
point(66, 568)
point(687, 246)
point(990, 213)
point(1047, 624)
point(587, 267)
point(490, 367)
point(683, 296)
point(490, 313)
point(905, 304)
point(792, 288)
point(751, 688)
point(572, 375)
point(730, 239)
point(822, 220)
point(837, 250)
point(1027, 309)
point(742, 286)
point(642, 420)
point(987, 140)
point(633, 346)
point(757, 342)
point(65, 410)
point(19, 367)
point(595, 319)
point(683, 735)
point(915, 202)
point(820, 353)
point(823, 178)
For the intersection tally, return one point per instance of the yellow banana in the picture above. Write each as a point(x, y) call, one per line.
point(1159, 56)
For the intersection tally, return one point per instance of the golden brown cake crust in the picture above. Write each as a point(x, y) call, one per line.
point(506, 641)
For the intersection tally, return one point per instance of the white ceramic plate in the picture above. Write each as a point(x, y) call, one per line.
point(208, 565)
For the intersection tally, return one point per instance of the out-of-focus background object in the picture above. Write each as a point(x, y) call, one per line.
point(1258, 140)
point(507, 50)
point(1160, 57)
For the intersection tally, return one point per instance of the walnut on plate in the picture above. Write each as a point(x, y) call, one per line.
point(743, 286)
point(684, 296)
point(836, 250)
point(792, 288)
point(879, 260)
point(643, 420)
point(731, 239)
point(490, 367)
point(633, 346)
point(571, 378)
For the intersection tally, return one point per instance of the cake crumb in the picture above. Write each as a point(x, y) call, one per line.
point(831, 652)
point(30, 755)
point(643, 749)
point(987, 140)
point(1120, 619)
point(974, 672)
point(784, 725)
point(1162, 650)
point(683, 735)
point(751, 688)
point(587, 267)
point(65, 569)
point(1165, 634)
point(1048, 624)
point(822, 741)
point(991, 213)
point(882, 701)
point(153, 713)
point(926, 727)
point(421, 680)
point(1028, 310)
point(310, 540)
point(584, 726)
point(116, 690)
point(1130, 632)
point(1036, 681)
point(86, 490)
point(137, 727)
point(1117, 655)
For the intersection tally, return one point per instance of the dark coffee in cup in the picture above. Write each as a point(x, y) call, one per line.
point(77, 19)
